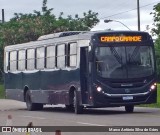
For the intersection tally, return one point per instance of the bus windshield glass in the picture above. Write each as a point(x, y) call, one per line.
point(124, 61)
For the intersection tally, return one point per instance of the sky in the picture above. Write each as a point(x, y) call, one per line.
point(124, 11)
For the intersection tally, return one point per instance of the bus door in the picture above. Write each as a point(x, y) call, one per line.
point(84, 74)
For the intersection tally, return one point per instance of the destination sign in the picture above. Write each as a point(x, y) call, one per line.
point(121, 38)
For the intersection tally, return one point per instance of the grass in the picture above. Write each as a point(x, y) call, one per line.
point(157, 105)
point(2, 94)
point(158, 96)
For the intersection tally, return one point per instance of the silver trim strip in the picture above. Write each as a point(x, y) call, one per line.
point(136, 94)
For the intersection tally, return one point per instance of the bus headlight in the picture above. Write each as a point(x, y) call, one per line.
point(99, 89)
point(153, 87)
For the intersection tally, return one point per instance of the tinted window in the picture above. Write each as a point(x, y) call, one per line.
point(73, 48)
point(124, 62)
point(13, 60)
point(30, 59)
point(40, 58)
point(21, 60)
point(61, 56)
point(50, 57)
point(72, 54)
point(6, 61)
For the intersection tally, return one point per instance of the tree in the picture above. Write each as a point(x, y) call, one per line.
point(156, 32)
point(28, 27)
point(157, 48)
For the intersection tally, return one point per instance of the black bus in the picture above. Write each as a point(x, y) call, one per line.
point(83, 70)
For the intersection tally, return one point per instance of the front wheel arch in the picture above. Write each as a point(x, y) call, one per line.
point(71, 95)
point(78, 108)
point(26, 88)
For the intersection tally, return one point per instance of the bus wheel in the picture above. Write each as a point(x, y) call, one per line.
point(129, 108)
point(32, 106)
point(78, 109)
point(39, 106)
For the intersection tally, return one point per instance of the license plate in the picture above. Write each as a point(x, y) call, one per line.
point(128, 98)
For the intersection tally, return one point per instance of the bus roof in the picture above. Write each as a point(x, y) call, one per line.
point(65, 37)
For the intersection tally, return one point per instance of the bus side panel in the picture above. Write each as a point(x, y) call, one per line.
point(31, 80)
point(53, 86)
point(50, 87)
point(13, 86)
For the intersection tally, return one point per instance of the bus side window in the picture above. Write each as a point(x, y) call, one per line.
point(13, 60)
point(40, 58)
point(72, 54)
point(61, 56)
point(21, 60)
point(6, 67)
point(50, 57)
point(30, 59)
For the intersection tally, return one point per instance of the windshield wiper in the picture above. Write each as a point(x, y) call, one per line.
point(134, 54)
point(118, 58)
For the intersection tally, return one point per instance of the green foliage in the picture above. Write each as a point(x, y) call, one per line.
point(156, 32)
point(157, 48)
point(158, 95)
point(28, 27)
point(156, 15)
point(157, 105)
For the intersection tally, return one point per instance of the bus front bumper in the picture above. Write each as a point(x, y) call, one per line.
point(111, 100)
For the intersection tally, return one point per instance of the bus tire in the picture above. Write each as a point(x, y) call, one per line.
point(32, 106)
point(78, 109)
point(39, 106)
point(129, 108)
point(69, 107)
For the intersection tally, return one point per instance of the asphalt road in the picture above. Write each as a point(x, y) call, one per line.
point(59, 116)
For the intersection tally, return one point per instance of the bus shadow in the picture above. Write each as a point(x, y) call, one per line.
point(105, 111)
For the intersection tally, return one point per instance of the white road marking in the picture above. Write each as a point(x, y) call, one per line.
point(42, 118)
point(83, 123)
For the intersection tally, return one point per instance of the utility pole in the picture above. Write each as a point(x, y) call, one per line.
point(138, 14)
point(2, 15)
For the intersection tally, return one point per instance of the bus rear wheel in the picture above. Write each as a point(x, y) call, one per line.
point(32, 106)
point(78, 109)
point(129, 108)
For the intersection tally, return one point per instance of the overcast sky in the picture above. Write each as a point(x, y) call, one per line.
point(106, 9)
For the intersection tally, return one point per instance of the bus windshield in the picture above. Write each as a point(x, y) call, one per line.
point(124, 61)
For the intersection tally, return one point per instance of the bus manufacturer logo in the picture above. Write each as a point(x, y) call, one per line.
point(127, 85)
point(127, 90)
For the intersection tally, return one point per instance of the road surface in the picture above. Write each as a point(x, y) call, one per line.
point(59, 116)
